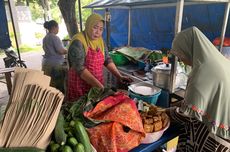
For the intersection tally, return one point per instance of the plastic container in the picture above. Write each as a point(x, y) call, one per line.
point(217, 41)
point(141, 64)
point(118, 58)
point(149, 97)
point(144, 66)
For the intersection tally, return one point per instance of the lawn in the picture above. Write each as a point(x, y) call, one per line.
point(24, 48)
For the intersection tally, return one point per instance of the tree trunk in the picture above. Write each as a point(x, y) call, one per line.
point(48, 9)
point(67, 8)
point(27, 3)
point(45, 6)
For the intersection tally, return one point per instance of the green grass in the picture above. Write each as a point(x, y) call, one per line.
point(25, 48)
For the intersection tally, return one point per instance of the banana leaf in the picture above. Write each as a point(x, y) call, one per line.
point(75, 110)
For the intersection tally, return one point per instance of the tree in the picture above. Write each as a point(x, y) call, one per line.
point(86, 11)
point(43, 3)
point(46, 8)
point(68, 11)
point(67, 8)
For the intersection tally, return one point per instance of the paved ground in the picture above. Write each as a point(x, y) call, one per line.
point(33, 61)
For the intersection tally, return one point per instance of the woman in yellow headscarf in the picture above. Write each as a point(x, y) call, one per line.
point(206, 108)
point(87, 55)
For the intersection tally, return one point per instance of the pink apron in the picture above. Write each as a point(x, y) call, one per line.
point(77, 87)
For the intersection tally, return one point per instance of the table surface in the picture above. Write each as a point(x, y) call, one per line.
point(173, 131)
point(5, 70)
point(7, 73)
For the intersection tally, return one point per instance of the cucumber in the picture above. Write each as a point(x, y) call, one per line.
point(70, 133)
point(79, 148)
point(54, 147)
point(72, 141)
point(52, 142)
point(72, 123)
point(82, 136)
point(66, 148)
point(59, 132)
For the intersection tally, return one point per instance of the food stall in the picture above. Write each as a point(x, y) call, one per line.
point(130, 5)
point(134, 5)
point(111, 118)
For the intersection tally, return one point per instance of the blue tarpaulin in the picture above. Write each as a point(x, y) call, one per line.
point(4, 33)
point(153, 28)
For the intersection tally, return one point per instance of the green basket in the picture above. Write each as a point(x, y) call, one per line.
point(118, 58)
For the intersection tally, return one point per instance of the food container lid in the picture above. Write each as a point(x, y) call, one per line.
point(162, 66)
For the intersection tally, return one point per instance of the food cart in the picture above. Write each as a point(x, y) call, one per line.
point(178, 4)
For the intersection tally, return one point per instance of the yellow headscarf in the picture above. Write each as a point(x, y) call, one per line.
point(91, 21)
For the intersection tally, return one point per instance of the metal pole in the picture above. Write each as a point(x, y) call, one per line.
point(225, 22)
point(179, 16)
point(107, 22)
point(178, 25)
point(80, 17)
point(14, 29)
point(129, 28)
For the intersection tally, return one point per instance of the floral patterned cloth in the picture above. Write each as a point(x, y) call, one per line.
point(124, 129)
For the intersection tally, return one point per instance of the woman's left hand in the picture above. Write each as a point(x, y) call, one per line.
point(125, 80)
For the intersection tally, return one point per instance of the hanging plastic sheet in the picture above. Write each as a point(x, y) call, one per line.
point(153, 28)
point(4, 33)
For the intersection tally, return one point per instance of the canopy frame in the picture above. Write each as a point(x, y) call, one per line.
point(178, 19)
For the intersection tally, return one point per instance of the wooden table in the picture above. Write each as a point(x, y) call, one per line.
point(7, 73)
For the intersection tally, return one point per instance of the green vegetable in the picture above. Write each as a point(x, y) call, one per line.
point(79, 148)
point(59, 133)
point(158, 56)
point(72, 123)
point(54, 147)
point(52, 142)
point(72, 141)
point(82, 136)
point(66, 148)
point(152, 56)
point(76, 109)
point(70, 133)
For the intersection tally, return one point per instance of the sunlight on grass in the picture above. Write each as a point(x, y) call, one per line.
point(25, 48)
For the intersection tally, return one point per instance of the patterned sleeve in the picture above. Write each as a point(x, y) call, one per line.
point(76, 56)
point(107, 57)
point(176, 116)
